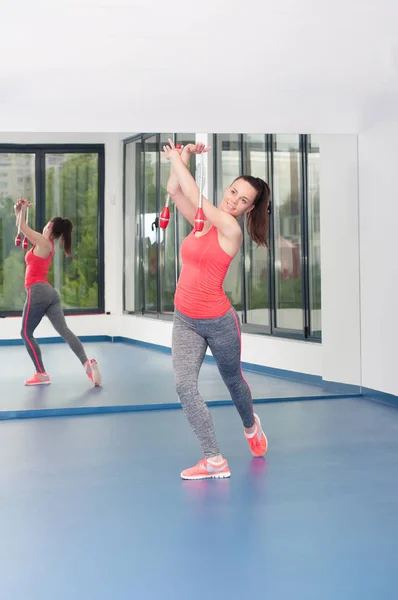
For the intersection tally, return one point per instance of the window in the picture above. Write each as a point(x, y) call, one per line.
point(287, 194)
point(157, 261)
point(12, 264)
point(256, 163)
point(167, 249)
point(72, 191)
point(275, 290)
point(228, 167)
point(67, 182)
point(314, 237)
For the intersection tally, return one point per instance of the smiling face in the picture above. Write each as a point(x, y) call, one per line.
point(239, 198)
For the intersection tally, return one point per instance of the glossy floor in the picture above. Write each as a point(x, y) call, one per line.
point(93, 507)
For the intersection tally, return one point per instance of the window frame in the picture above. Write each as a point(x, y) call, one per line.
point(40, 151)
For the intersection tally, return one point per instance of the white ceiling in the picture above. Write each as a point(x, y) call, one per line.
point(210, 65)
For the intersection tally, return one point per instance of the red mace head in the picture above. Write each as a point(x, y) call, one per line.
point(18, 239)
point(199, 220)
point(164, 217)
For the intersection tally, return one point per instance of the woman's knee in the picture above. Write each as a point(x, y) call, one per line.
point(185, 389)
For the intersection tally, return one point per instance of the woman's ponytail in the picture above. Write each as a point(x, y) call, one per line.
point(62, 228)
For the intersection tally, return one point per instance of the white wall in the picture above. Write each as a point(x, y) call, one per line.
point(341, 326)
point(378, 162)
point(93, 324)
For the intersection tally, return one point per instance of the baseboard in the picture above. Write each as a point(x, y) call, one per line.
point(129, 408)
point(381, 397)
point(58, 340)
point(334, 387)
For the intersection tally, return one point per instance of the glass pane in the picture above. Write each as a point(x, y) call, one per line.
point(149, 228)
point(228, 168)
point(167, 252)
point(72, 192)
point(287, 215)
point(314, 234)
point(184, 228)
point(256, 258)
point(17, 178)
point(139, 289)
point(131, 240)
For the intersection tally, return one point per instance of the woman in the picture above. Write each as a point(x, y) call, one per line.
point(42, 299)
point(203, 315)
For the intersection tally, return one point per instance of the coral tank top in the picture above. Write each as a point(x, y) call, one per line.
point(200, 293)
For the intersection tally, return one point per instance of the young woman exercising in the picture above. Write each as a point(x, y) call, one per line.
point(41, 298)
point(203, 315)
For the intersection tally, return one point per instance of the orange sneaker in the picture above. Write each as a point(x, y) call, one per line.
point(257, 441)
point(38, 379)
point(92, 370)
point(205, 469)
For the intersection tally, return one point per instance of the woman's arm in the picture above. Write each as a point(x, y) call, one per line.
point(174, 190)
point(35, 238)
point(225, 223)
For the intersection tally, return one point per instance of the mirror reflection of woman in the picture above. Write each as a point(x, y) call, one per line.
point(42, 299)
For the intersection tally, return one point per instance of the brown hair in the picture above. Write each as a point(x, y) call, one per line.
point(63, 228)
point(257, 220)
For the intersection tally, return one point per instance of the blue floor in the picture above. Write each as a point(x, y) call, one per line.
point(93, 507)
point(133, 378)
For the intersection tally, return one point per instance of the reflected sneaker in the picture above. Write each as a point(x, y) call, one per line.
point(92, 370)
point(38, 379)
point(206, 469)
point(257, 441)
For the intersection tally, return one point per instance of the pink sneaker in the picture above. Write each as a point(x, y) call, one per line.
point(92, 371)
point(38, 379)
point(257, 441)
point(205, 469)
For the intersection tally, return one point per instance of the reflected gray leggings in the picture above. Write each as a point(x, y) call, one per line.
point(42, 299)
point(191, 337)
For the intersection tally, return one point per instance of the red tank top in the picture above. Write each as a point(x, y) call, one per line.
point(37, 267)
point(199, 292)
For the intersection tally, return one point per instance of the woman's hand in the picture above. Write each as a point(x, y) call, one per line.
point(21, 205)
point(196, 148)
point(170, 152)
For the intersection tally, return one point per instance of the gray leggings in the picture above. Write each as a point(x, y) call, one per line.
point(191, 337)
point(42, 299)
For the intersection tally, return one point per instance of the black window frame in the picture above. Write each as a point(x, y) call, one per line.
point(40, 151)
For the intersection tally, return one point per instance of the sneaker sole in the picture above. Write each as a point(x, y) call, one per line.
point(38, 383)
point(210, 476)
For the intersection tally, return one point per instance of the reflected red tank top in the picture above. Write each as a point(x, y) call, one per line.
point(199, 292)
point(37, 267)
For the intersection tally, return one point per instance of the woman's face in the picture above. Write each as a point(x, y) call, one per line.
point(239, 198)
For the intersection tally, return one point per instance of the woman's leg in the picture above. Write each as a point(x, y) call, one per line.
point(57, 319)
point(224, 339)
point(37, 301)
point(188, 352)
